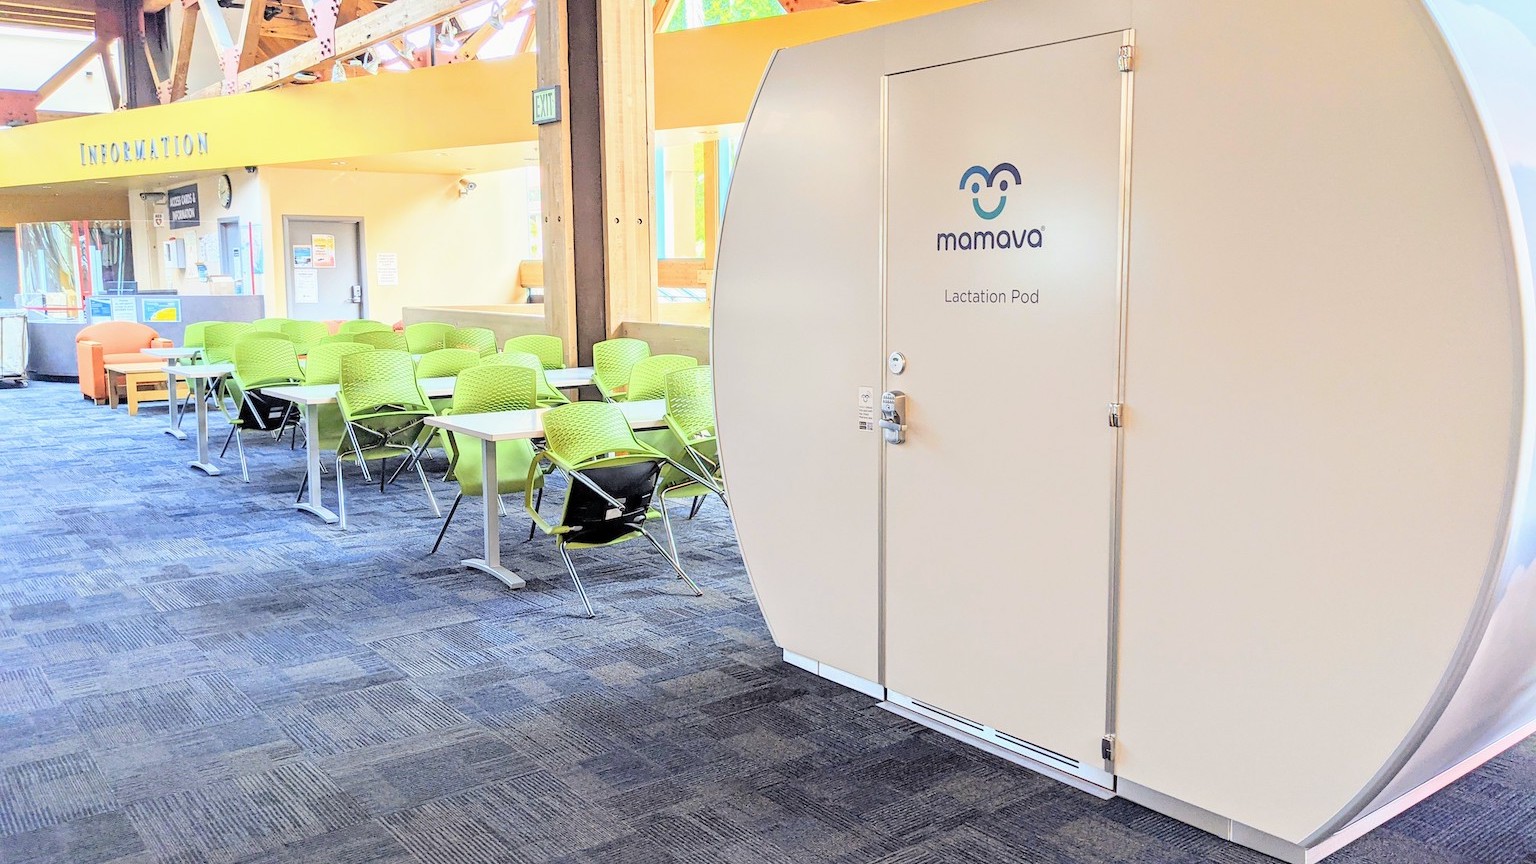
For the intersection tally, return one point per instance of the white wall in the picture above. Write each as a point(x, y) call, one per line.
point(451, 250)
point(32, 56)
point(247, 203)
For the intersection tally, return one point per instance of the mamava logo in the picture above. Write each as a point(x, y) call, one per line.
point(973, 178)
point(984, 183)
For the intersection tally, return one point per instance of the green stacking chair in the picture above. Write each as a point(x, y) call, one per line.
point(690, 441)
point(548, 395)
point(479, 339)
point(193, 336)
point(219, 347)
point(324, 364)
point(261, 360)
point(335, 338)
point(425, 336)
point(387, 340)
point(361, 325)
point(549, 349)
point(480, 390)
point(324, 367)
point(648, 378)
point(271, 325)
point(610, 481)
point(383, 416)
point(305, 334)
point(445, 363)
point(219, 340)
point(611, 360)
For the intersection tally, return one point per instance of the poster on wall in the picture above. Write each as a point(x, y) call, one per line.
point(162, 311)
point(124, 308)
point(208, 252)
point(98, 309)
point(306, 285)
point(303, 256)
point(388, 268)
point(324, 246)
point(258, 250)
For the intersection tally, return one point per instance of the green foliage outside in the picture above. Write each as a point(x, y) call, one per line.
point(713, 12)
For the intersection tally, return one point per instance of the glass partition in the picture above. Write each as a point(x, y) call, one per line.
point(64, 264)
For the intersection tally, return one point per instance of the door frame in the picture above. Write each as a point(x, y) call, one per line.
point(225, 253)
point(362, 258)
point(7, 297)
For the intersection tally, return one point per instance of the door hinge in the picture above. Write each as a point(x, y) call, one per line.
point(1107, 748)
point(1114, 414)
point(1127, 58)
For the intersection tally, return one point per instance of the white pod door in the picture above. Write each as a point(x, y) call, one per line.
point(1004, 230)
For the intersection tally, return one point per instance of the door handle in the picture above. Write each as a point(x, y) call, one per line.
point(893, 416)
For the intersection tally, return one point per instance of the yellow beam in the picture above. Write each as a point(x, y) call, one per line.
point(662, 13)
point(286, 29)
point(381, 25)
point(250, 32)
point(213, 19)
point(154, 70)
point(109, 69)
point(57, 20)
point(69, 70)
point(84, 7)
point(183, 48)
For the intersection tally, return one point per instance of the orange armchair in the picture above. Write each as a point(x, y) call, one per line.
point(111, 342)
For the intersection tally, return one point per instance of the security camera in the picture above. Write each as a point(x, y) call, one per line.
point(250, 169)
point(467, 186)
point(153, 197)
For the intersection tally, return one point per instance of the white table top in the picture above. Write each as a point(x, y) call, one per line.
point(205, 370)
point(510, 425)
point(576, 376)
point(432, 388)
point(131, 368)
point(172, 353)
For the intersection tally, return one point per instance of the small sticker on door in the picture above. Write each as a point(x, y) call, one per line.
point(866, 409)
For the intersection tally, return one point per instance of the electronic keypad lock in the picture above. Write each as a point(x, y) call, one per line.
point(893, 416)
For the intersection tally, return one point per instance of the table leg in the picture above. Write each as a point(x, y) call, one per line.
point(199, 392)
point(491, 563)
point(312, 456)
point(174, 411)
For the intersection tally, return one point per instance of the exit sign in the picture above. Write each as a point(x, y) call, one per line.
point(546, 105)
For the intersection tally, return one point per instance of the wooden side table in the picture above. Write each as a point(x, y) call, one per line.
point(138, 382)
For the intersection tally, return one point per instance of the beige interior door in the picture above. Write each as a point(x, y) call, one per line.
point(325, 269)
point(1004, 229)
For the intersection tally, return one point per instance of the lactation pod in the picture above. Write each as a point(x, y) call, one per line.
point(1160, 376)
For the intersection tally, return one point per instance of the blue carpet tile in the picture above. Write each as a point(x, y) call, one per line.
point(192, 672)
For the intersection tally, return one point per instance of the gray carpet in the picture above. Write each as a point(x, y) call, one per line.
point(193, 672)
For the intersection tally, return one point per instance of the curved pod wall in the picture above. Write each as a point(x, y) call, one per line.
point(1317, 600)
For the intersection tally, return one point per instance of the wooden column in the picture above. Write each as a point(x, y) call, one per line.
point(629, 160)
point(555, 178)
point(597, 169)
